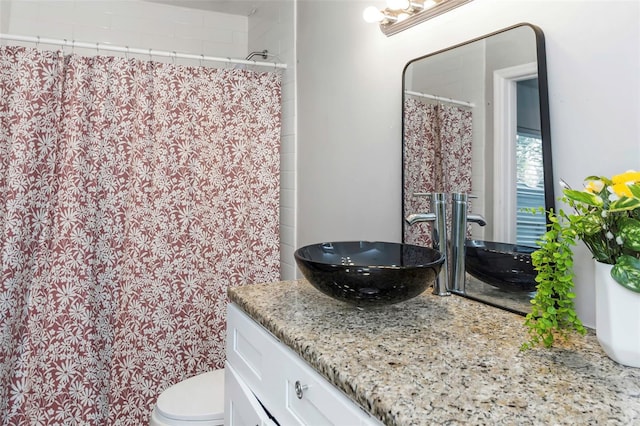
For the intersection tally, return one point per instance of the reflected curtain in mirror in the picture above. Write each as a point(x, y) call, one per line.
point(438, 138)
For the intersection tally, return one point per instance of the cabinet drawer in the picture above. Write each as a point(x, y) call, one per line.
point(311, 400)
point(289, 388)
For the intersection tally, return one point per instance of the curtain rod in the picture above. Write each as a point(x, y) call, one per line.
point(440, 98)
point(126, 49)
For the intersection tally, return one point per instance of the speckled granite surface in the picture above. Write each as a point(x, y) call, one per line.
point(437, 360)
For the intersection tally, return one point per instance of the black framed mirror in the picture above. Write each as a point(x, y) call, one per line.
point(476, 121)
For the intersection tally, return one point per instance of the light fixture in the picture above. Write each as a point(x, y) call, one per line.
point(398, 4)
point(402, 14)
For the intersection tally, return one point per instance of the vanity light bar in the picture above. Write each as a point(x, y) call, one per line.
point(402, 14)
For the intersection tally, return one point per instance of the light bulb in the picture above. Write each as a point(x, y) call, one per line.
point(402, 16)
point(371, 14)
point(429, 4)
point(398, 4)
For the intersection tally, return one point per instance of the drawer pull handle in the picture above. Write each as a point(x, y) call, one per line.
point(300, 388)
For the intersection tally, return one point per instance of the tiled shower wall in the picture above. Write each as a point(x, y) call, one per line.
point(132, 23)
point(147, 25)
point(272, 27)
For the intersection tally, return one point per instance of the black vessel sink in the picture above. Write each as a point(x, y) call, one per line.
point(505, 266)
point(366, 273)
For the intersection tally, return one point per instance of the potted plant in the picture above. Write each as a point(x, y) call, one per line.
point(606, 218)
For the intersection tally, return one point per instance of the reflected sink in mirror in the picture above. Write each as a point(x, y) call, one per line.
point(505, 266)
point(367, 274)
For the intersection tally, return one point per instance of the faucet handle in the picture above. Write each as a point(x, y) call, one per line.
point(422, 194)
point(461, 195)
point(438, 196)
point(477, 218)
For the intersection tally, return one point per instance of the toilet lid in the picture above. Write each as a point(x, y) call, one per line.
point(197, 398)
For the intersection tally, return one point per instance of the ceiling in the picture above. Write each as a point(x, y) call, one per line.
point(233, 7)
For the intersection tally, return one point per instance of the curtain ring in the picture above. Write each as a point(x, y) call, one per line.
point(173, 57)
point(98, 48)
point(201, 59)
point(150, 55)
point(37, 42)
point(126, 54)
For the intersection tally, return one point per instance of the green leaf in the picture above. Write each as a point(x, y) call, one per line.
point(624, 204)
point(626, 272)
point(584, 197)
point(548, 340)
point(635, 190)
point(553, 313)
point(587, 224)
point(629, 231)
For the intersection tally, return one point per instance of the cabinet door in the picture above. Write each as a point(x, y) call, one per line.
point(250, 351)
point(241, 407)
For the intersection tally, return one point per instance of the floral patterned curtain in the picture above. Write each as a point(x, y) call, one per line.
point(132, 195)
point(437, 158)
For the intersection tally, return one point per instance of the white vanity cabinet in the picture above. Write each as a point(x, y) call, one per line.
point(267, 383)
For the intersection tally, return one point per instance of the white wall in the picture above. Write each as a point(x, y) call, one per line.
point(349, 106)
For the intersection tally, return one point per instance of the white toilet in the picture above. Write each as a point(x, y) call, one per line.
point(198, 400)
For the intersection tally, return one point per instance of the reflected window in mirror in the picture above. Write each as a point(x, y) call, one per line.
point(529, 165)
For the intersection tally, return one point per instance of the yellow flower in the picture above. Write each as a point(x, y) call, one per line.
point(627, 177)
point(621, 182)
point(622, 190)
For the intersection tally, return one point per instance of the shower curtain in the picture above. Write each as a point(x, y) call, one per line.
point(132, 195)
point(437, 158)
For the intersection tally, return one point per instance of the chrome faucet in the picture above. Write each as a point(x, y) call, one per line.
point(414, 218)
point(460, 218)
point(438, 216)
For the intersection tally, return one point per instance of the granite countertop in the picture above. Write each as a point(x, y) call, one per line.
point(433, 360)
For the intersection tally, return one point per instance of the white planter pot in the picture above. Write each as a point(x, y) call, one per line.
point(617, 318)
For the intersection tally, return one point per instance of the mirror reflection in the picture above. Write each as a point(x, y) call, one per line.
point(476, 121)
